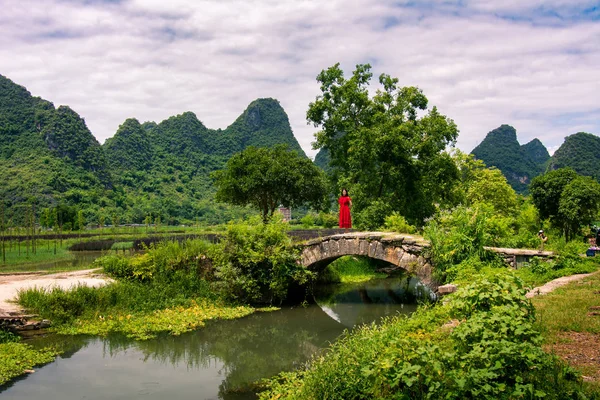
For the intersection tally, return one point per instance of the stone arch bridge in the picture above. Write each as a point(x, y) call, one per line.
point(406, 252)
point(402, 251)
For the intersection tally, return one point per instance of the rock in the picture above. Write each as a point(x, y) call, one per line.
point(44, 324)
point(446, 289)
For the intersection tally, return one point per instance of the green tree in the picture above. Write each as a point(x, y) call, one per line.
point(268, 177)
point(579, 204)
point(80, 220)
point(384, 148)
point(567, 199)
point(491, 187)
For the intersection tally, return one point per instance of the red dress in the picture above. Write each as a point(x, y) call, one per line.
point(345, 218)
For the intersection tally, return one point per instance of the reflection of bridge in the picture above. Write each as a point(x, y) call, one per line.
point(403, 251)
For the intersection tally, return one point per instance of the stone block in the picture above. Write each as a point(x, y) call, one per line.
point(446, 289)
point(363, 248)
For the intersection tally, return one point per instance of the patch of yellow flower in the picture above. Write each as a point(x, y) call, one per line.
point(174, 321)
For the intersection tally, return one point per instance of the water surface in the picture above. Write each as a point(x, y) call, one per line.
point(220, 361)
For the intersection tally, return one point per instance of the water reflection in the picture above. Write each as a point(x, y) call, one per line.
point(220, 361)
point(354, 304)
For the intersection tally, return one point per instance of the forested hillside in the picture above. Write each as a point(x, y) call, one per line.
point(580, 151)
point(519, 164)
point(49, 160)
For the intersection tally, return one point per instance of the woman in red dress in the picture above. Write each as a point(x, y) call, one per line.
point(345, 203)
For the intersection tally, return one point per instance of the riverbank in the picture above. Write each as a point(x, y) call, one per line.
point(11, 284)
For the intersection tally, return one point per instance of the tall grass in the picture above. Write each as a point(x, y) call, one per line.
point(350, 269)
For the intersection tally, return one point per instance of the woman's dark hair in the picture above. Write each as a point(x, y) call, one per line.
point(346, 191)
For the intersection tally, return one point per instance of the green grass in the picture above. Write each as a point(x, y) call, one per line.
point(45, 253)
point(350, 269)
point(566, 309)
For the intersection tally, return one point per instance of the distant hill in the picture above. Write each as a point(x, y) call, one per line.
point(519, 164)
point(49, 156)
point(580, 151)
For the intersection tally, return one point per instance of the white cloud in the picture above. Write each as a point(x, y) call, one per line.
point(483, 64)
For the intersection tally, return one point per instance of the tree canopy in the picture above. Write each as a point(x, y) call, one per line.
point(269, 177)
point(567, 199)
point(387, 149)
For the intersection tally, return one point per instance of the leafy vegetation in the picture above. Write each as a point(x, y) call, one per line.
point(389, 156)
point(481, 344)
point(176, 286)
point(267, 178)
point(568, 200)
point(519, 164)
point(255, 262)
point(17, 358)
point(350, 269)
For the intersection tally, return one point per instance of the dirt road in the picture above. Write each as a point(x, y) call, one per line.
point(11, 284)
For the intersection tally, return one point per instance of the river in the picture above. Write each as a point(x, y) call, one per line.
point(220, 361)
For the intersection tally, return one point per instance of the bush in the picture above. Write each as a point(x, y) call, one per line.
point(328, 220)
point(308, 220)
point(257, 263)
point(457, 235)
point(166, 261)
point(373, 216)
point(397, 223)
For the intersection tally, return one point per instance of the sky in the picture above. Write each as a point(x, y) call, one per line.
point(531, 64)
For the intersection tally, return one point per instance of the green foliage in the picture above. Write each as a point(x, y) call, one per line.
point(569, 200)
point(308, 220)
point(381, 147)
point(130, 148)
point(349, 269)
point(327, 220)
point(166, 261)
point(17, 358)
point(8, 337)
point(255, 262)
point(457, 235)
point(481, 344)
point(373, 216)
point(519, 164)
point(267, 178)
point(397, 223)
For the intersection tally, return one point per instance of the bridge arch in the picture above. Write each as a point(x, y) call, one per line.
point(405, 252)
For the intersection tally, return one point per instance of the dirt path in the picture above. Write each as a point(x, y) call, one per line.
point(11, 284)
point(556, 283)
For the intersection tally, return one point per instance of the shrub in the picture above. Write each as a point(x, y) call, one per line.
point(256, 262)
point(328, 220)
point(457, 235)
point(397, 223)
point(308, 220)
point(373, 216)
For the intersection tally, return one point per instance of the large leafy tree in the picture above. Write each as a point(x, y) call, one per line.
point(387, 148)
point(567, 199)
point(269, 177)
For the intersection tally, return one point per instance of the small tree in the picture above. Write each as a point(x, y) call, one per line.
point(269, 177)
point(80, 220)
point(567, 199)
